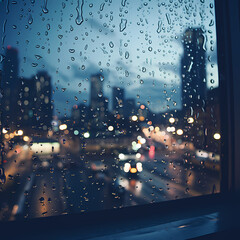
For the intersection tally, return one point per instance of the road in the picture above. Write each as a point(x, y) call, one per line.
point(74, 188)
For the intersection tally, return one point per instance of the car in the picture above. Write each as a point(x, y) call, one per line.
point(125, 153)
point(131, 167)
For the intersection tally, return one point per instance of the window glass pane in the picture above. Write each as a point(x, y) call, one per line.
point(107, 104)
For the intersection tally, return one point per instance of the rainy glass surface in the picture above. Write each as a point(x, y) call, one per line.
point(106, 104)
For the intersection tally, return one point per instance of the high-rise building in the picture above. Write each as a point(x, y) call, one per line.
point(27, 101)
point(96, 91)
point(118, 95)
point(130, 108)
point(43, 107)
point(193, 69)
point(9, 85)
point(80, 116)
point(98, 103)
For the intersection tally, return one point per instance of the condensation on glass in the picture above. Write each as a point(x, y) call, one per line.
point(106, 104)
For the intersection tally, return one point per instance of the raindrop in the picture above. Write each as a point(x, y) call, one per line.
point(159, 26)
point(38, 57)
point(211, 23)
point(72, 50)
point(127, 55)
point(102, 6)
point(41, 199)
point(111, 44)
point(124, 3)
point(76, 98)
point(30, 19)
point(64, 89)
point(79, 19)
point(168, 18)
point(123, 24)
point(34, 64)
point(101, 78)
point(44, 9)
point(2, 57)
point(191, 111)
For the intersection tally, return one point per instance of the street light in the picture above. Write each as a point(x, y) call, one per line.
point(134, 118)
point(190, 120)
point(110, 128)
point(217, 136)
point(172, 120)
point(4, 130)
point(19, 133)
point(179, 132)
point(25, 138)
point(63, 127)
point(86, 134)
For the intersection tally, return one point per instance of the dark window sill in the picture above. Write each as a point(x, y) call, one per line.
point(200, 217)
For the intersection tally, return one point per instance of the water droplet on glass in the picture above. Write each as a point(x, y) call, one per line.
point(123, 24)
point(2, 57)
point(159, 26)
point(111, 44)
point(79, 8)
point(2, 176)
point(30, 19)
point(44, 8)
point(124, 3)
point(101, 78)
point(38, 57)
point(102, 6)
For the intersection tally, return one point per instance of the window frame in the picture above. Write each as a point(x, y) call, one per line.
point(230, 175)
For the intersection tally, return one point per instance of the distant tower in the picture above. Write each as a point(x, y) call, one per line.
point(10, 85)
point(193, 69)
point(98, 103)
point(118, 101)
point(43, 107)
point(96, 91)
point(27, 94)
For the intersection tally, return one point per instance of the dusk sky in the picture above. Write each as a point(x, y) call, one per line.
point(136, 45)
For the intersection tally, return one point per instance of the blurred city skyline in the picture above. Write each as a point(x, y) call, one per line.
point(141, 54)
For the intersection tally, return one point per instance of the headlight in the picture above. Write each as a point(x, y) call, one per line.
point(127, 167)
point(121, 156)
point(139, 166)
point(138, 155)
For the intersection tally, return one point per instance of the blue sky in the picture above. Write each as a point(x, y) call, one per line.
point(135, 44)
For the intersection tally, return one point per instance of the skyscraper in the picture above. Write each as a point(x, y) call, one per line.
point(193, 69)
point(43, 107)
point(118, 95)
point(96, 91)
point(27, 94)
point(9, 85)
point(97, 102)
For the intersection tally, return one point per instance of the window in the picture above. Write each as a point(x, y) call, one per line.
point(107, 104)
